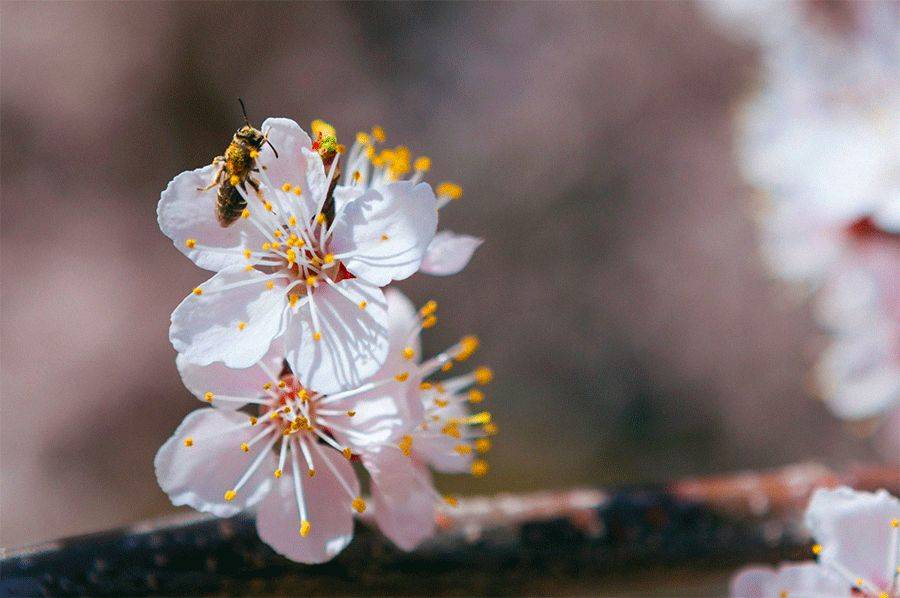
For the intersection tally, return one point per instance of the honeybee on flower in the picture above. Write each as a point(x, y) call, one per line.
point(291, 457)
point(305, 261)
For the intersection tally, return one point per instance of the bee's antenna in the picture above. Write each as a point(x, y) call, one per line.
point(244, 110)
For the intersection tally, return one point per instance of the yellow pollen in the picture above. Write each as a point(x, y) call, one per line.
point(422, 163)
point(405, 445)
point(320, 217)
point(234, 180)
point(384, 237)
point(441, 403)
point(273, 415)
point(229, 495)
point(270, 284)
point(311, 280)
point(490, 429)
point(402, 377)
point(266, 246)
point(362, 138)
point(356, 175)
point(359, 505)
point(479, 418)
point(198, 291)
point(321, 128)
point(408, 353)
point(483, 445)
point(293, 298)
point(189, 442)
point(883, 595)
point(817, 548)
point(425, 385)
point(329, 258)
point(451, 500)
point(429, 308)
point(451, 190)
point(245, 213)
point(378, 134)
point(483, 375)
point(248, 254)
point(191, 243)
point(895, 522)
point(348, 454)
point(249, 267)
point(469, 344)
point(208, 397)
point(317, 336)
point(278, 473)
point(463, 449)
point(859, 582)
point(311, 473)
point(783, 594)
point(297, 191)
point(447, 366)
point(292, 221)
point(363, 304)
point(370, 153)
point(267, 206)
point(245, 447)
point(254, 154)
point(351, 413)
point(286, 187)
point(451, 429)
point(242, 325)
point(304, 528)
point(303, 395)
point(291, 255)
point(429, 322)
point(341, 148)
point(267, 386)
point(277, 233)
point(480, 468)
point(253, 420)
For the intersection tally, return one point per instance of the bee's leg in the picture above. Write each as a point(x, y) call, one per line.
point(255, 184)
point(216, 179)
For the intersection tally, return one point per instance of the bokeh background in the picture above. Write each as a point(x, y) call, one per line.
point(620, 298)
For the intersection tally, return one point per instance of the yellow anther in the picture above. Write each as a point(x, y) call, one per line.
point(479, 418)
point(317, 336)
point(242, 325)
point(253, 420)
point(378, 134)
point(311, 473)
point(463, 449)
point(451, 500)
point(329, 258)
point(429, 322)
point(422, 163)
point(441, 403)
point(425, 385)
point(208, 397)
point(783, 594)
point(304, 528)
point(245, 447)
point(277, 233)
point(490, 429)
point(245, 213)
point(190, 243)
point(311, 280)
point(303, 395)
point(286, 187)
point(447, 366)
point(385, 237)
point(483, 445)
point(229, 495)
point(468, 346)
point(278, 473)
point(270, 284)
point(351, 413)
point(451, 429)
point(320, 127)
point(883, 595)
point(249, 268)
point(320, 218)
point(188, 442)
point(348, 454)
point(356, 176)
point(293, 298)
point(273, 415)
point(817, 548)
point(297, 191)
point(480, 468)
point(198, 291)
point(451, 190)
point(234, 180)
point(859, 582)
point(267, 206)
point(341, 148)
point(359, 505)
point(363, 304)
point(408, 353)
point(299, 242)
point(402, 377)
point(370, 153)
point(267, 386)
point(362, 138)
point(483, 375)
point(429, 308)
point(895, 522)
point(248, 254)
point(293, 222)
point(405, 445)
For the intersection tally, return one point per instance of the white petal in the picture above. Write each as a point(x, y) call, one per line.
point(185, 213)
point(200, 475)
point(354, 341)
point(403, 504)
point(449, 253)
point(207, 327)
point(221, 380)
point(435, 448)
point(402, 318)
point(802, 579)
point(854, 530)
point(386, 232)
point(328, 509)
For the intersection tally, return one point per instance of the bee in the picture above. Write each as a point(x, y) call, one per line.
point(236, 169)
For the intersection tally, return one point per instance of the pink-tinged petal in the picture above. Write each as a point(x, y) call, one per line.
point(801, 579)
point(199, 475)
point(887, 216)
point(188, 217)
point(220, 380)
point(385, 232)
point(752, 582)
point(449, 253)
point(328, 509)
point(353, 343)
point(854, 529)
point(436, 448)
point(235, 325)
point(402, 497)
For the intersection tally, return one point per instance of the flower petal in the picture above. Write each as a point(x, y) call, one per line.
point(807, 579)
point(854, 530)
point(402, 497)
point(353, 343)
point(386, 231)
point(449, 253)
point(188, 216)
point(221, 380)
point(235, 325)
point(200, 475)
point(328, 508)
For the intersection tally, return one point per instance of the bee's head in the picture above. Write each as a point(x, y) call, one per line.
point(250, 136)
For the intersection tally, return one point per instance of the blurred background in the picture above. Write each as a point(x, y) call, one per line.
point(619, 296)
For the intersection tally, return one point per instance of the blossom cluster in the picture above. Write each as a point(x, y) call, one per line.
point(820, 141)
point(312, 370)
